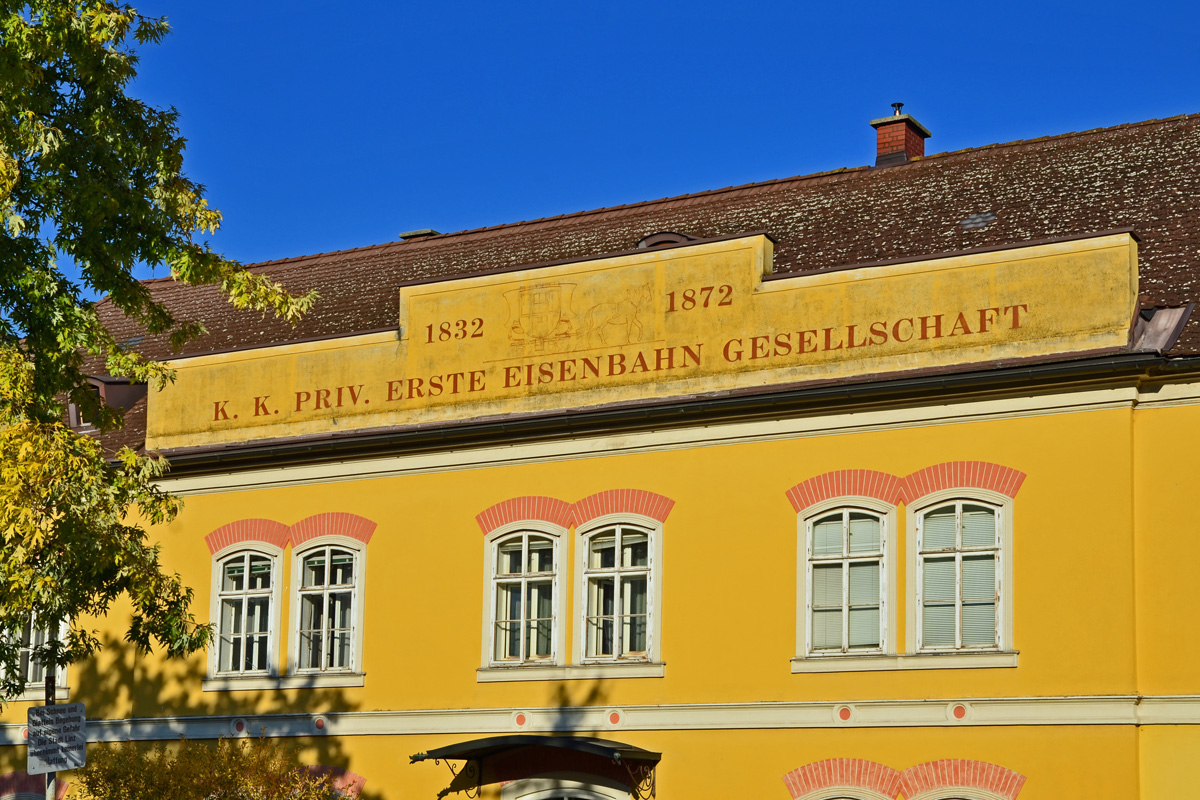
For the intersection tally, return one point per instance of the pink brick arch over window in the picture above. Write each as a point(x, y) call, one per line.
point(248, 530)
point(843, 773)
point(954, 773)
point(519, 509)
point(337, 523)
point(963, 475)
point(845, 483)
point(622, 501)
point(892, 489)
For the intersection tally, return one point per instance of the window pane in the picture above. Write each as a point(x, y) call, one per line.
point(541, 554)
point(508, 602)
point(864, 533)
point(508, 641)
point(231, 616)
point(827, 536)
point(603, 554)
point(260, 573)
point(827, 629)
point(508, 557)
point(864, 583)
point(31, 637)
point(827, 586)
point(864, 626)
point(256, 652)
point(938, 626)
point(310, 650)
point(339, 610)
point(601, 626)
point(600, 637)
point(633, 595)
point(311, 617)
point(541, 599)
point(234, 575)
point(978, 578)
point(601, 597)
point(979, 623)
point(540, 632)
point(978, 526)
point(937, 531)
point(341, 572)
point(635, 549)
point(633, 634)
point(257, 613)
point(314, 570)
point(229, 653)
point(939, 580)
point(339, 650)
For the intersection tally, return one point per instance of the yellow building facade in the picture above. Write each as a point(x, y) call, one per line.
point(686, 520)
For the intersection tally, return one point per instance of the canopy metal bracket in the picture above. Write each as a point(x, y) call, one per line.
point(470, 772)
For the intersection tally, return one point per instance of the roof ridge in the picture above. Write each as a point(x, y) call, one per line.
point(296, 260)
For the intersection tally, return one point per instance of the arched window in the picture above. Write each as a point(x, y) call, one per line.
point(328, 577)
point(960, 566)
point(619, 585)
point(245, 627)
point(524, 597)
point(846, 579)
point(246, 607)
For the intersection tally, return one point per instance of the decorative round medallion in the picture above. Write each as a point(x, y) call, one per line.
point(958, 712)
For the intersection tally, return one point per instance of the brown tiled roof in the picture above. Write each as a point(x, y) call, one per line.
point(132, 434)
point(1143, 175)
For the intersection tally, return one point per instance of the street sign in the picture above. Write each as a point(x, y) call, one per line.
point(57, 738)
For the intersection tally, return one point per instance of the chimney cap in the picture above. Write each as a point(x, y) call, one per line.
point(921, 129)
point(418, 234)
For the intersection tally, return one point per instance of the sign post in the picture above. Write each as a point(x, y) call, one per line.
point(57, 741)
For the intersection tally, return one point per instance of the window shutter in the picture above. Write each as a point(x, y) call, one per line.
point(979, 600)
point(827, 536)
point(864, 583)
point(827, 606)
point(864, 533)
point(937, 622)
point(864, 601)
point(978, 526)
point(937, 530)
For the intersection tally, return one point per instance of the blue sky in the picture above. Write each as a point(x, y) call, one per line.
point(325, 126)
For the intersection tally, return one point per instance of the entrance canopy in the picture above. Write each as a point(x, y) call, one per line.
point(508, 758)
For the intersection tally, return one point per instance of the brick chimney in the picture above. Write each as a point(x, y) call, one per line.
point(898, 138)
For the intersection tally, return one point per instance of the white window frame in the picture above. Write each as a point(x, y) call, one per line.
point(35, 691)
point(1004, 569)
point(654, 589)
point(358, 592)
point(560, 537)
point(887, 577)
point(214, 652)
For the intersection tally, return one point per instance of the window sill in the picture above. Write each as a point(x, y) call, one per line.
point(37, 694)
point(874, 663)
point(538, 672)
point(270, 682)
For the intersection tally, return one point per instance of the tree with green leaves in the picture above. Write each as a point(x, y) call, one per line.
point(228, 769)
point(93, 179)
